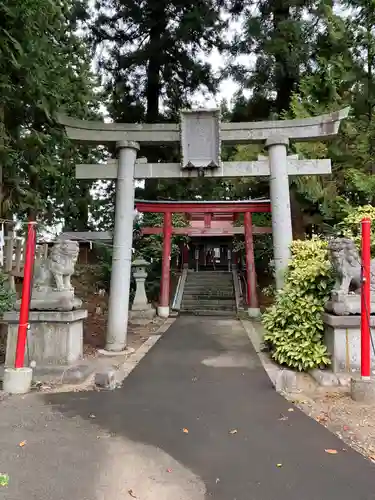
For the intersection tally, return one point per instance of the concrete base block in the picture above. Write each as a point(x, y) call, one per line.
point(253, 312)
point(76, 374)
point(55, 338)
point(163, 311)
point(124, 352)
point(142, 316)
point(342, 336)
point(344, 379)
point(285, 381)
point(363, 391)
point(17, 380)
point(106, 379)
point(325, 378)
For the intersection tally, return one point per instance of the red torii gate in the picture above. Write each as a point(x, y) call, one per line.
point(208, 209)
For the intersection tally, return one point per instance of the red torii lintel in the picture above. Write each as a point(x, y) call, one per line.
point(190, 231)
point(213, 207)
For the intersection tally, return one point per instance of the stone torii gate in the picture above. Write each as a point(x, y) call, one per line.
point(200, 133)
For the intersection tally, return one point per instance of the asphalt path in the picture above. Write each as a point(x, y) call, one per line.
point(197, 419)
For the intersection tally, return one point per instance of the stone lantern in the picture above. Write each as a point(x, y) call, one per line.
point(142, 311)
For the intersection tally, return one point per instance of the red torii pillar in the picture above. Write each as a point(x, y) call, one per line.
point(163, 308)
point(252, 298)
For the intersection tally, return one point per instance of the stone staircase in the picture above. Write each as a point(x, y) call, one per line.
point(209, 293)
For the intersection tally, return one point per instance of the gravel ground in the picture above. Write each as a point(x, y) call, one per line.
point(350, 421)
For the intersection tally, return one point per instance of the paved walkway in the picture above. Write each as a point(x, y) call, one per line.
point(203, 377)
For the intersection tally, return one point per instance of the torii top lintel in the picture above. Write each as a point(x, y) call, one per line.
point(317, 128)
point(203, 207)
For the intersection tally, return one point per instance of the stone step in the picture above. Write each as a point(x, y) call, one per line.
point(203, 312)
point(217, 292)
point(209, 272)
point(209, 285)
point(209, 300)
point(207, 289)
point(219, 284)
point(209, 276)
point(221, 297)
point(208, 305)
point(208, 296)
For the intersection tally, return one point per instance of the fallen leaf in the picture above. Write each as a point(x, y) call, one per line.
point(233, 431)
point(217, 480)
point(331, 452)
point(185, 431)
point(290, 409)
point(131, 493)
point(92, 415)
point(346, 428)
point(283, 417)
point(169, 470)
point(321, 418)
point(279, 465)
point(22, 443)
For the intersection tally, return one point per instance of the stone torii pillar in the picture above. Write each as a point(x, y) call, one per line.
point(280, 205)
point(118, 306)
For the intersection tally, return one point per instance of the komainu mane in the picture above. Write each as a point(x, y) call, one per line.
point(57, 269)
point(346, 262)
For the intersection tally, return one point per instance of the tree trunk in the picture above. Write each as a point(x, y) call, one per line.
point(153, 87)
point(298, 223)
point(285, 81)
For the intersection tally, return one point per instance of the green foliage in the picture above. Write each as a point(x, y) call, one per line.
point(263, 248)
point(350, 226)
point(150, 248)
point(4, 479)
point(44, 67)
point(294, 324)
point(7, 296)
point(153, 53)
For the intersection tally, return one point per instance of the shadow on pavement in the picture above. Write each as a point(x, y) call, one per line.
point(202, 397)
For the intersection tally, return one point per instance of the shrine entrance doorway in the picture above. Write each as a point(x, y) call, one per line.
point(209, 254)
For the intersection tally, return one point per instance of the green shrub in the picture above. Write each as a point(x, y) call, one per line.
point(7, 296)
point(294, 324)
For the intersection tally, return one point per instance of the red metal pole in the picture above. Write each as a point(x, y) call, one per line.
point(250, 263)
point(166, 263)
point(26, 292)
point(365, 299)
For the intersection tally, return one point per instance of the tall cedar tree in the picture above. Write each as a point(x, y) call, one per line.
point(151, 56)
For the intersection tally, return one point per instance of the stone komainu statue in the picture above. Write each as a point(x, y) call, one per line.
point(346, 262)
point(52, 289)
point(55, 271)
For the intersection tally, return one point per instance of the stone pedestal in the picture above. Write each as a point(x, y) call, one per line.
point(363, 391)
point(52, 300)
point(54, 339)
point(342, 337)
point(344, 304)
point(141, 312)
